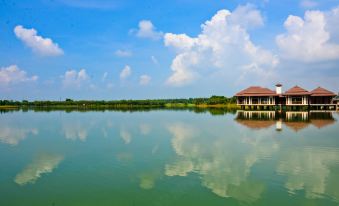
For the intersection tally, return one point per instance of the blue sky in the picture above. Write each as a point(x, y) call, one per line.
point(51, 49)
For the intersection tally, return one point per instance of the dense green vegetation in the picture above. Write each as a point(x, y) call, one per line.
point(214, 101)
point(215, 105)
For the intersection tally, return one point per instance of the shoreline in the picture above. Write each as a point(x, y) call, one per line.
point(122, 106)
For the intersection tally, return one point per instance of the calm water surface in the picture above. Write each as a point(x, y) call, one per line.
point(168, 158)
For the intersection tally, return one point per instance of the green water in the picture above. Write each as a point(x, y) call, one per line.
point(168, 158)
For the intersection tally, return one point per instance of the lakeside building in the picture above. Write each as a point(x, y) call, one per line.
point(336, 100)
point(295, 98)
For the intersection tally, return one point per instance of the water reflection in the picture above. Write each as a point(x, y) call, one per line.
point(223, 162)
point(145, 129)
point(306, 167)
point(74, 132)
point(293, 120)
point(78, 126)
point(148, 179)
point(126, 136)
point(309, 169)
point(44, 163)
point(10, 134)
point(233, 159)
point(256, 120)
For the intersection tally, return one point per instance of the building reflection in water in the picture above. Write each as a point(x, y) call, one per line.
point(293, 120)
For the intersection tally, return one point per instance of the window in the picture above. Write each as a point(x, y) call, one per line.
point(264, 100)
point(296, 100)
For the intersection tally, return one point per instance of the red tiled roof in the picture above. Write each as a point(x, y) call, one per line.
point(296, 126)
point(256, 91)
point(322, 92)
point(296, 90)
point(320, 123)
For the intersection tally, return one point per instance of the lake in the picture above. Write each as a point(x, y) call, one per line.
point(168, 157)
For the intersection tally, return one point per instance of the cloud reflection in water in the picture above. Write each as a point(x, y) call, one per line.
point(41, 165)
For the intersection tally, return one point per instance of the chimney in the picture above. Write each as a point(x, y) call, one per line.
point(278, 88)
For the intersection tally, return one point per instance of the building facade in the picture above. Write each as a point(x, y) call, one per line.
point(297, 96)
point(256, 97)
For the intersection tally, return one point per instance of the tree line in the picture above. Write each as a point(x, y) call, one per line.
point(213, 100)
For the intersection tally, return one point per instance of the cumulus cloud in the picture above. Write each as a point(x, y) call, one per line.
point(123, 53)
point(247, 17)
point(312, 38)
point(40, 45)
point(72, 78)
point(332, 20)
point(13, 74)
point(147, 30)
point(223, 45)
point(125, 72)
point(144, 79)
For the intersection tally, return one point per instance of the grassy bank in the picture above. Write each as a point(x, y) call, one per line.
point(8, 106)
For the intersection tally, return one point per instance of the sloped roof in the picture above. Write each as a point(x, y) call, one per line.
point(320, 123)
point(296, 126)
point(256, 91)
point(296, 90)
point(322, 92)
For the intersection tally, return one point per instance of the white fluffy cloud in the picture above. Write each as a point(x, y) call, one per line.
point(312, 38)
point(125, 72)
point(72, 78)
point(144, 79)
point(40, 45)
point(246, 16)
point(123, 53)
point(147, 30)
point(13, 74)
point(224, 46)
